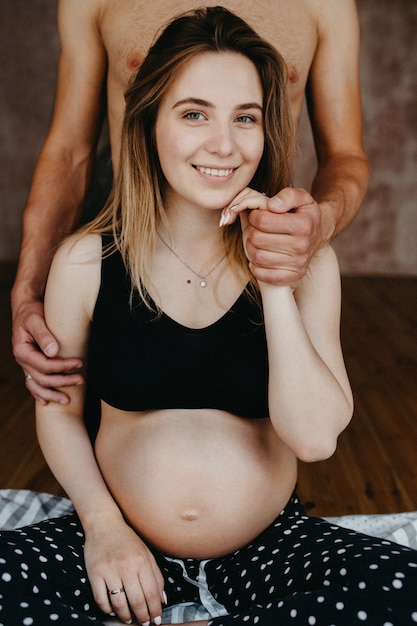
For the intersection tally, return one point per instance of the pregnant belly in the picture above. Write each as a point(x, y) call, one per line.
point(195, 483)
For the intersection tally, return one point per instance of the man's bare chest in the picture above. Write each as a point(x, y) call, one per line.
point(129, 27)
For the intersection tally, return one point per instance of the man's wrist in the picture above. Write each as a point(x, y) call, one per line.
point(23, 294)
point(328, 222)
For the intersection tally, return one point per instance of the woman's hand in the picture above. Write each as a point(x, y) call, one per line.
point(281, 239)
point(118, 561)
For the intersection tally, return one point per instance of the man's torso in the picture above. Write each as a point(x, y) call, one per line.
point(129, 27)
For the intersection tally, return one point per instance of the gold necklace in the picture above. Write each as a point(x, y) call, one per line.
point(203, 282)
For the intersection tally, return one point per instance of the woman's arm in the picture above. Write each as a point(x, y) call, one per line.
point(310, 399)
point(115, 556)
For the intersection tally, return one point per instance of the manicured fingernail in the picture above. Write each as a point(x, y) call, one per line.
point(164, 597)
point(157, 620)
point(146, 624)
point(233, 207)
point(225, 217)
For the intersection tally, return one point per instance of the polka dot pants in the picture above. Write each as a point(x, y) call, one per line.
point(300, 571)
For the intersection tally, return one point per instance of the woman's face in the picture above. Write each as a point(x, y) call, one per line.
point(210, 132)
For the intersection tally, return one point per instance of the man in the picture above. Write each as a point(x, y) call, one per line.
point(102, 44)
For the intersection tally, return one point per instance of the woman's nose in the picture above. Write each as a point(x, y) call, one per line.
point(221, 140)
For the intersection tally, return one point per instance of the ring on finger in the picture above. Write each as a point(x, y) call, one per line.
point(114, 592)
point(28, 377)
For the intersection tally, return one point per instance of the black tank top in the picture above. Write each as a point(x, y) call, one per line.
point(139, 361)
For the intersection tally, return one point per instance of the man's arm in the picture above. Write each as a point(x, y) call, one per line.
point(334, 104)
point(58, 190)
point(283, 240)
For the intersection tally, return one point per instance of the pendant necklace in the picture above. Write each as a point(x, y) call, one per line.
point(203, 282)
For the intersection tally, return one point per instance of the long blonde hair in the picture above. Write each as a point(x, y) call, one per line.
point(135, 207)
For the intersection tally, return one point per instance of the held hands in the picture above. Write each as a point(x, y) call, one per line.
point(35, 350)
point(281, 238)
point(123, 574)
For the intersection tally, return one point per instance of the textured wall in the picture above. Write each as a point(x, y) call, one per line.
point(383, 237)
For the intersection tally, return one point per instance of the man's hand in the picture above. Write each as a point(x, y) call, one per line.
point(280, 240)
point(35, 350)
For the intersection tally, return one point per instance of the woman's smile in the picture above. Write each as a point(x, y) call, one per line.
point(213, 171)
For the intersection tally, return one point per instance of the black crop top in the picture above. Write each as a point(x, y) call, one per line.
point(139, 362)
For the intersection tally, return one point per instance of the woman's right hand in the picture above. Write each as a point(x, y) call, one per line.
point(117, 559)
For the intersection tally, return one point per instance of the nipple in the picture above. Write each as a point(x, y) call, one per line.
point(133, 61)
point(292, 74)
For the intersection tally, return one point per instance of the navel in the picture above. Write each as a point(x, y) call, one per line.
point(191, 515)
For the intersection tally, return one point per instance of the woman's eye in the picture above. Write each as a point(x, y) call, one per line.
point(194, 115)
point(245, 119)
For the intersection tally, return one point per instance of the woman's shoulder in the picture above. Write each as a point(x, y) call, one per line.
point(80, 248)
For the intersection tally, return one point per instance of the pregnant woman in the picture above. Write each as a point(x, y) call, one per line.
point(212, 384)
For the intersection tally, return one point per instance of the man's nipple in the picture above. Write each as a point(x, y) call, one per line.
point(133, 61)
point(292, 74)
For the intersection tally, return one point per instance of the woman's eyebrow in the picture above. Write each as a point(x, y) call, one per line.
point(195, 101)
point(206, 103)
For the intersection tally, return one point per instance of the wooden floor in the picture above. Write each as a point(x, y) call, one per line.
point(375, 467)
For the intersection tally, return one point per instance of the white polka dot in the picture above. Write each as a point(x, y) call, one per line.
point(340, 606)
point(362, 616)
point(414, 616)
point(28, 621)
point(6, 577)
point(397, 584)
point(54, 617)
point(293, 613)
point(343, 571)
point(312, 620)
point(320, 599)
